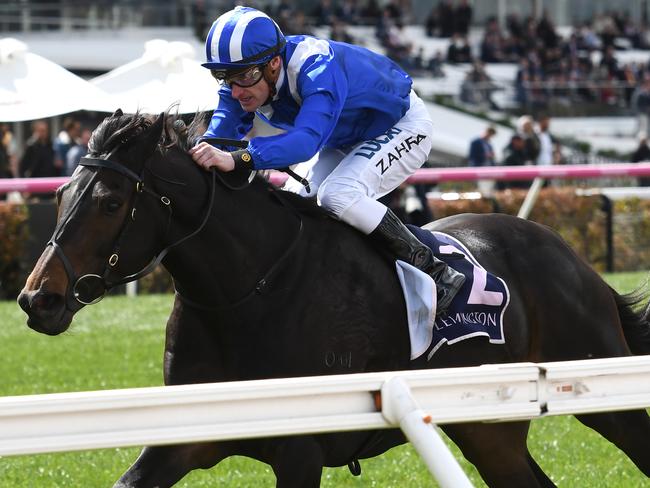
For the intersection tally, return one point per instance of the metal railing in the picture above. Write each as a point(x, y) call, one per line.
point(415, 401)
point(68, 15)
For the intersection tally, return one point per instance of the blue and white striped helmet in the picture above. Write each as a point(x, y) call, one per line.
point(242, 37)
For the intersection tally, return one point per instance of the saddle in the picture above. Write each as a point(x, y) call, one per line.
point(476, 310)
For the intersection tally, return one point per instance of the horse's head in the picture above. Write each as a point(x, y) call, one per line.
point(111, 223)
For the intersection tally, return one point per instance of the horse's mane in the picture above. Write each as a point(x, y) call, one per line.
point(123, 129)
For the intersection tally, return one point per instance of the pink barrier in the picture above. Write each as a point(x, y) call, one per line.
point(531, 172)
point(44, 185)
point(31, 185)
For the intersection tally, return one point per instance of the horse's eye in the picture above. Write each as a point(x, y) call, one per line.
point(111, 206)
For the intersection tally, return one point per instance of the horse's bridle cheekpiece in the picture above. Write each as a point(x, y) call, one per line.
point(90, 288)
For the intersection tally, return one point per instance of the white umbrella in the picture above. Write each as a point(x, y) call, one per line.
point(32, 87)
point(167, 73)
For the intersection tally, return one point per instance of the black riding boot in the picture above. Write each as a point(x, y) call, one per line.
point(405, 246)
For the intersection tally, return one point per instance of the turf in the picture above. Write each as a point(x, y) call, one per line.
point(119, 344)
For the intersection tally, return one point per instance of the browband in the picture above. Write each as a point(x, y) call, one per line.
point(106, 163)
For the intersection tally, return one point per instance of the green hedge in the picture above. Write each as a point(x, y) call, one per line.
point(632, 234)
point(158, 281)
point(13, 244)
point(580, 220)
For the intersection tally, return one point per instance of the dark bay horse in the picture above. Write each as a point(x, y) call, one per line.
point(270, 286)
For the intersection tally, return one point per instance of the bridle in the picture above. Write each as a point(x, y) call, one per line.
point(90, 288)
point(261, 285)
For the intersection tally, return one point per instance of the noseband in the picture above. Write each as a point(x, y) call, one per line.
point(91, 288)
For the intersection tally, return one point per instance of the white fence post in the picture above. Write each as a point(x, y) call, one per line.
point(132, 288)
point(338, 403)
point(400, 408)
point(531, 198)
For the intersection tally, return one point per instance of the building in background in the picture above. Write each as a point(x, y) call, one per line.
point(27, 15)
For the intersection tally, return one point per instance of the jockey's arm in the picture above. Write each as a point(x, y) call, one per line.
point(322, 87)
point(229, 121)
point(313, 126)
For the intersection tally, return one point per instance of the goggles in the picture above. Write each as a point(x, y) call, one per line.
point(244, 79)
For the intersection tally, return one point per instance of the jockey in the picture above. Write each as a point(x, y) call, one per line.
point(351, 106)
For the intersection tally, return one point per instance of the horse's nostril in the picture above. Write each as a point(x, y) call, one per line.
point(41, 301)
point(45, 300)
point(23, 301)
point(46, 311)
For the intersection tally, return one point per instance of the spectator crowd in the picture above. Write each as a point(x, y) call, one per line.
point(43, 155)
point(551, 68)
point(530, 144)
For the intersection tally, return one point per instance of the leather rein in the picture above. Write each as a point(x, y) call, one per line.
point(90, 288)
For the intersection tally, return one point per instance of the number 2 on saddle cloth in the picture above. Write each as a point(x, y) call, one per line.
point(478, 308)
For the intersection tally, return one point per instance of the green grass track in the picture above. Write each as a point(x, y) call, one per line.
point(119, 343)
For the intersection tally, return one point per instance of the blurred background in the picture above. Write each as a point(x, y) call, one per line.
point(507, 82)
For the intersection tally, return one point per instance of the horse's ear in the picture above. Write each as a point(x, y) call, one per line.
point(147, 142)
point(118, 113)
point(152, 135)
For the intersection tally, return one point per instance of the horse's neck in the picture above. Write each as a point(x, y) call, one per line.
point(246, 234)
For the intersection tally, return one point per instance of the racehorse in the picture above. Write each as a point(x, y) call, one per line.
point(268, 285)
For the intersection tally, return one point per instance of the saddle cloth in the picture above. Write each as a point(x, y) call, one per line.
point(476, 310)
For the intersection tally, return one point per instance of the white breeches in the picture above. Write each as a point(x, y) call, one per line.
point(347, 183)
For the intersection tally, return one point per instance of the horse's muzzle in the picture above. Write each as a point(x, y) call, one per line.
point(46, 311)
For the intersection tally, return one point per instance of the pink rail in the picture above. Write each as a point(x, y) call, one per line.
point(45, 185)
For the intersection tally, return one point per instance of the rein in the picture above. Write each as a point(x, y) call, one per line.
point(244, 145)
point(90, 288)
point(261, 285)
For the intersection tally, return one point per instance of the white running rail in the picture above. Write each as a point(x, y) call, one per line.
point(412, 400)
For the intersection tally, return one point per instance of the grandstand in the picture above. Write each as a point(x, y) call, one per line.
point(595, 117)
point(72, 33)
point(585, 64)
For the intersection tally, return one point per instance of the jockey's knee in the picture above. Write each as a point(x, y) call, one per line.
point(351, 204)
point(337, 195)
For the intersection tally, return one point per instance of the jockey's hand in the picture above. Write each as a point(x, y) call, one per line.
point(208, 156)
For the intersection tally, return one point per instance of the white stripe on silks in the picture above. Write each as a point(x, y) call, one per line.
point(279, 83)
point(218, 29)
point(238, 34)
point(304, 49)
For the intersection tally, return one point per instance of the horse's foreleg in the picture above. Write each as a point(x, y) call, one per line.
point(629, 431)
point(297, 461)
point(543, 480)
point(163, 466)
point(499, 453)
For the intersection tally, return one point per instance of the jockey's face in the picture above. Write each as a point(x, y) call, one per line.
point(253, 97)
